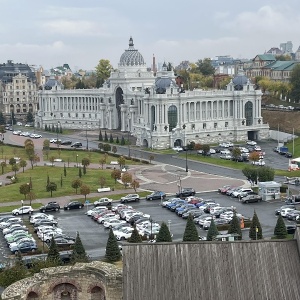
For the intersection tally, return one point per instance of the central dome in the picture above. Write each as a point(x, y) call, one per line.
point(131, 57)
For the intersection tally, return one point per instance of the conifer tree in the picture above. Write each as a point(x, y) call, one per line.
point(79, 172)
point(112, 251)
point(164, 234)
point(212, 231)
point(111, 139)
point(122, 141)
point(255, 228)
point(46, 127)
point(65, 170)
point(135, 237)
point(235, 226)
point(105, 137)
point(280, 229)
point(78, 253)
point(117, 140)
point(53, 253)
point(100, 136)
point(190, 232)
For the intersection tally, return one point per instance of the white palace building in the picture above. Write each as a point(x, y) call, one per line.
point(154, 109)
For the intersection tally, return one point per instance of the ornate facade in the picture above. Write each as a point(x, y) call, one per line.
point(18, 90)
point(153, 108)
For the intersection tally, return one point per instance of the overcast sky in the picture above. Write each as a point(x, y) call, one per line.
point(80, 33)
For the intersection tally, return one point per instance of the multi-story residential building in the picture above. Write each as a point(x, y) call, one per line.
point(266, 65)
point(18, 90)
point(158, 112)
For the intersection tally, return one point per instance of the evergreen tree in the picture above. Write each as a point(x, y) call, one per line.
point(46, 127)
point(117, 140)
point(235, 226)
point(53, 253)
point(112, 250)
point(212, 231)
point(122, 141)
point(79, 172)
point(29, 117)
point(84, 169)
point(53, 128)
point(280, 229)
point(100, 136)
point(190, 232)
point(78, 253)
point(255, 228)
point(105, 137)
point(164, 234)
point(65, 170)
point(135, 237)
point(111, 139)
point(2, 119)
point(60, 129)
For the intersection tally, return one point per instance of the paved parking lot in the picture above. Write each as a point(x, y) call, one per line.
point(94, 236)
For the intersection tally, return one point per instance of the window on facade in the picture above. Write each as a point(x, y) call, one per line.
point(24, 93)
point(18, 99)
point(215, 110)
point(90, 116)
point(83, 115)
point(17, 87)
point(231, 108)
point(17, 81)
point(172, 117)
point(192, 112)
point(209, 110)
point(215, 125)
point(69, 115)
point(220, 109)
point(76, 115)
point(226, 124)
point(204, 125)
point(249, 113)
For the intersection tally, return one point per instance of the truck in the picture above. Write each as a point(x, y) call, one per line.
point(282, 150)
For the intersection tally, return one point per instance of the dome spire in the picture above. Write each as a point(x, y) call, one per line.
point(131, 42)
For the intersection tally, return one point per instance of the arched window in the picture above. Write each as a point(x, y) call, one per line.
point(153, 117)
point(249, 113)
point(172, 117)
point(97, 293)
point(32, 295)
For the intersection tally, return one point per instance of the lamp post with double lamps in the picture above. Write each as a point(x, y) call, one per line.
point(128, 134)
point(57, 129)
point(186, 161)
point(22, 203)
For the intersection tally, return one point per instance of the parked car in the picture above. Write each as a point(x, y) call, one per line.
point(238, 192)
point(66, 142)
point(23, 247)
point(12, 228)
point(156, 195)
point(294, 199)
point(50, 206)
point(185, 192)
point(177, 148)
point(278, 210)
point(40, 216)
point(130, 198)
point(60, 241)
point(103, 202)
point(73, 205)
point(251, 143)
point(259, 162)
point(288, 155)
point(25, 209)
point(123, 235)
point(76, 145)
point(110, 223)
point(251, 199)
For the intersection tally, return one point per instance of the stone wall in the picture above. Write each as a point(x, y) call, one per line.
point(92, 281)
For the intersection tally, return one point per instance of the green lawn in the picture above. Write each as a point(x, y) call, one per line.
point(39, 176)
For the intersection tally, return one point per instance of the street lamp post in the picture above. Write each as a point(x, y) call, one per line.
point(77, 160)
point(169, 225)
point(57, 134)
point(186, 161)
point(128, 143)
point(22, 202)
point(151, 221)
point(87, 141)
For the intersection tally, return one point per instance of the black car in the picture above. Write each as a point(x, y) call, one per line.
point(44, 223)
point(76, 145)
point(73, 205)
point(251, 199)
point(50, 206)
point(66, 142)
point(157, 195)
point(288, 155)
point(186, 192)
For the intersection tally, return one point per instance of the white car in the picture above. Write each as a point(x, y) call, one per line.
point(113, 222)
point(7, 230)
point(285, 211)
point(10, 222)
point(251, 143)
point(39, 216)
point(177, 148)
point(44, 234)
point(226, 144)
point(225, 151)
point(123, 235)
point(240, 191)
point(106, 217)
point(103, 201)
point(259, 162)
point(212, 151)
point(97, 209)
point(22, 210)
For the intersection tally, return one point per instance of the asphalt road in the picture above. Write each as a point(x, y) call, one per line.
point(94, 236)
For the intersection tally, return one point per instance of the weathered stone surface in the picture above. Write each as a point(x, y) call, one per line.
point(83, 281)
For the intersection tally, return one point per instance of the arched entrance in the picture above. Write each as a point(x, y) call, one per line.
point(97, 293)
point(145, 143)
point(119, 101)
point(178, 142)
point(32, 295)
